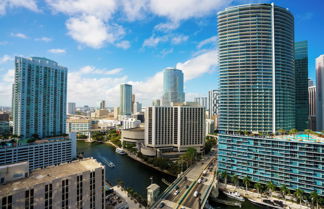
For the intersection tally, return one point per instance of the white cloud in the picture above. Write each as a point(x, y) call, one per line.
point(165, 52)
point(179, 10)
point(6, 87)
point(209, 41)
point(57, 51)
point(6, 58)
point(199, 65)
point(19, 35)
point(9, 76)
point(8, 4)
point(44, 39)
point(179, 39)
point(134, 9)
point(153, 41)
point(123, 44)
point(93, 31)
point(167, 26)
point(92, 70)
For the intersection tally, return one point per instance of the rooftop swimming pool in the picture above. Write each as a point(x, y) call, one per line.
point(301, 137)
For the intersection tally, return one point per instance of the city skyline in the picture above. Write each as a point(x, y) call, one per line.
point(100, 68)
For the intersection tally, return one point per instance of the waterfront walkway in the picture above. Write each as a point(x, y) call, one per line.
point(131, 203)
point(134, 157)
point(257, 197)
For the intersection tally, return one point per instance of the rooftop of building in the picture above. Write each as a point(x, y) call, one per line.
point(51, 173)
point(30, 141)
point(153, 187)
point(138, 129)
point(78, 120)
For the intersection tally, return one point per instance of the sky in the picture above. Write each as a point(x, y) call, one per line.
point(104, 43)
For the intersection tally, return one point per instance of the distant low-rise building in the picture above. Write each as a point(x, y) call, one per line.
point(71, 108)
point(78, 184)
point(130, 123)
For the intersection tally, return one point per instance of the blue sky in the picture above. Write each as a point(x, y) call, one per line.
point(108, 42)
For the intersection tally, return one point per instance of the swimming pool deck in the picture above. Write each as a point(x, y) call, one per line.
point(301, 138)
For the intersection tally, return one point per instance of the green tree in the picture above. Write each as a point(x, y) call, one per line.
point(308, 132)
point(191, 154)
point(282, 131)
point(271, 187)
point(235, 180)
point(258, 187)
point(314, 198)
point(293, 132)
point(284, 191)
point(224, 177)
point(299, 195)
point(246, 182)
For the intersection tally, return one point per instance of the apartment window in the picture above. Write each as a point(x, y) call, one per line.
point(48, 196)
point(65, 194)
point(6, 202)
point(29, 199)
point(92, 190)
point(79, 191)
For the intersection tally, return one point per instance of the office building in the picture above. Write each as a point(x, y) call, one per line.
point(79, 125)
point(130, 123)
point(102, 113)
point(71, 108)
point(257, 73)
point(210, 126)
point(103, 105)
point(301, 79)
point(312, 107)
point(310, 82)
point(4, 124)
point(41, 153)
point(213, 102)
point(202, 101)
point(133, 102)
point(137, 107)
point(125, 99)
point(39, 97)
point(116, 112)
point(79, 184)
point(297, 162)
point(320, 93)
point(173, 129)
point(156, 102)
point(172, 86)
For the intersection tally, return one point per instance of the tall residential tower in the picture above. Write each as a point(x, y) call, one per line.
point(320, 93)
point(301, 77)
point(172, 86)
point(39, 97)
point(125, 99)
point(257, 76)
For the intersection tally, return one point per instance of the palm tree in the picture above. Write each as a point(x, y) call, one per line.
point(258, 187)
point(235, 180)
point(307, 131)
point(293, 131)
point(282, 131)
point(299, 195)
point(284, 191)
point(315, 198)
point(271, 187)
point(245, 132)
point(247, 182)
point(225, 176)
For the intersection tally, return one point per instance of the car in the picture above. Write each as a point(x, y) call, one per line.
point(199, 181)
point(196, 193)
point(177, 188)
point(187, 186)
point(161, 205)
point(176, 192)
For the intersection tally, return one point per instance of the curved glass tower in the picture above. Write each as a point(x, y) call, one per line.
point(172, 86)
point(257, 78)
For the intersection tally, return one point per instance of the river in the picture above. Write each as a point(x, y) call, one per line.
point(131, 172)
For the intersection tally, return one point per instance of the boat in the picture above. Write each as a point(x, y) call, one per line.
point(111, 164)
point(266, 204)
point(234, 195)
point(120, 151)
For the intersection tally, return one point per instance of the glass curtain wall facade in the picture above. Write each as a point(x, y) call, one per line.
point(257, 78)
point(320, 93)
point(125, 99)
point(172, 86)
point(301, 70)
point(39, 97)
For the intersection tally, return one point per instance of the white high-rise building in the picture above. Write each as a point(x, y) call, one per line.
point(125, 99)
point(175, 128)
point(71, 108)
point(213, 102)
point(39, 97)
point(202, 101)
point(312, 107)
point(320, 93)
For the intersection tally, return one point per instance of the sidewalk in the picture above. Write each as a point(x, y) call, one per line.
point(131, 203)
point(257, 197)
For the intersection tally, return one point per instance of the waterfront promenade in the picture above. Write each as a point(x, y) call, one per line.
point(257, 197)
point(131, 203)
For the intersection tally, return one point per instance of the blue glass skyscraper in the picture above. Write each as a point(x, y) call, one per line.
point(125, 99)
point(172, 86)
